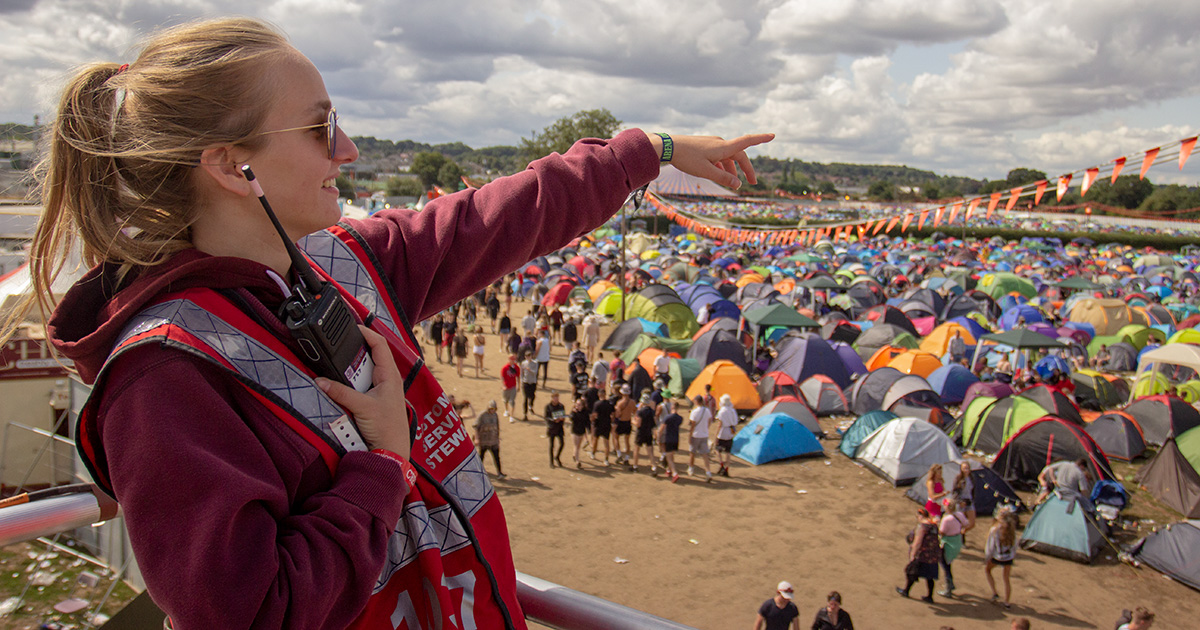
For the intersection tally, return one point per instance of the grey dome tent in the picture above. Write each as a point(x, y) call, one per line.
point(1162, 416)
point(824, 396)
point(1174, 551)
point(901, 450)
point(795, 409)
point(864, 426)
point(1118, 435)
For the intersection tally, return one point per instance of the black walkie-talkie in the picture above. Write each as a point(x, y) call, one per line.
point(318, 318)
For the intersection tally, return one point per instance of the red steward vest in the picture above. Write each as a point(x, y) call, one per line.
point(433, 577)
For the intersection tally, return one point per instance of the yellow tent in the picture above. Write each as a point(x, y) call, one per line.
point(916, 362)
point(727, 378)
point(937, 342)
point(1107, 316)
point(598, 288)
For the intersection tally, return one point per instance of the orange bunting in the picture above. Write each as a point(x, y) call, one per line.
point(921, 220)
point(1041, 190)
point(954, 211)
point(995, 201)
point(1013, 195)
point(1118, 164)
point(1064, 181)
point(907, 220)
point(970, 209)
point(892, 224)
point(878, 226)
point(1089, 176)
point(1185, 149)
point(1148, 160)
point(937, 215)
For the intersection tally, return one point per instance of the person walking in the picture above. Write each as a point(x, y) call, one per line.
point(923, 554)
point(644, 425)
point(460, 349)
point(831, 616)
point(555, 415)
point(623, 424)
point(602, 415)
point(542, 353)
point(509, 375)
point(1001, 551)
point(487, 436)
point(935, 491)
point(779, 612)
point(591, 335)
point(599, 371)
point(668, 437)
point(570, 334)
point(581, 424)
point(698, 423)
point(477, 348)
point(950, 531)
point(529, 373)
point(436, 331)
point(728, 418)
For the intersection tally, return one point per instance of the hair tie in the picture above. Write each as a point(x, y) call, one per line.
point(123, 68)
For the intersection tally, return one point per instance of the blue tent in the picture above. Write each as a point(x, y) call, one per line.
point(951, 382)
point(806, 355)
point(1063, 528)
point(1008, 320)
point(865, 425)
point(774, 436)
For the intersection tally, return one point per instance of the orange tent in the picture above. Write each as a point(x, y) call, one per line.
point(727, 378)
point(646, 358)
point(916, 362)
point(883, 356)
point(937, 342)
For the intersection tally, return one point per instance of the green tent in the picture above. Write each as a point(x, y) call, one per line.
point(643, 341)
point(1185, 335)
point(998, 421)
point(1141, 334)
point(779, 315)
point(970, 417)
point(680, 320)
point(683, 372)
point(1075, 283)
point(1106, 340)
point(1021, 338)
point(1001, 283)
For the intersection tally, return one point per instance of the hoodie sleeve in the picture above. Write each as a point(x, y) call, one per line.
point(222, 506)
point(460, 243)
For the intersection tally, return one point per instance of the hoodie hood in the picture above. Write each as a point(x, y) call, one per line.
point(87, 322)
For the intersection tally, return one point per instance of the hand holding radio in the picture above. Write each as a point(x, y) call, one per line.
point(381, 413)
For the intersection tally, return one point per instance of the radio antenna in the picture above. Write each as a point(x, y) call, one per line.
point(304, 271)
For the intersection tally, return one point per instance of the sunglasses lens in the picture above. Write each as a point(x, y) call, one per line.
point(333, 121)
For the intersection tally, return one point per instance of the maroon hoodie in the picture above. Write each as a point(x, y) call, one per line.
point(235, 519)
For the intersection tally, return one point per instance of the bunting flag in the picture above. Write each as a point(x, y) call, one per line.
point(878, 226)
point(995, 201)
point(1118, 164)
point(1041, 190)
point(1012, 198)
point(862, 230)
point(891, 224)
point(921, 221)
point(1089, 176)
point(1063, 182)
point(954, 211)
point(971, 208)
point(1147, 161)
point(1185, 149)
point(907, 220)
point(937, 216)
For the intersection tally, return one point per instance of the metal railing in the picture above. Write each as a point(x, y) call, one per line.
point(27, 517)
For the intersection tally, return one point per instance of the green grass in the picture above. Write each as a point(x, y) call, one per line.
point(21, 561)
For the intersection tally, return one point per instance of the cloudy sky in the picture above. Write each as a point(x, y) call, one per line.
point(969, 87)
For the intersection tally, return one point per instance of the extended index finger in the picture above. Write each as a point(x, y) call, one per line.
point(744, 142)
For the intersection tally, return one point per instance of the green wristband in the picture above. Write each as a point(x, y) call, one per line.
point(668, 150)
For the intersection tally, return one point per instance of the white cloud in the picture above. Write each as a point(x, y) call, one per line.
point(1051, 86)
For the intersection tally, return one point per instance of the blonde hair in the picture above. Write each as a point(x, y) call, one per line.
point(125, 141)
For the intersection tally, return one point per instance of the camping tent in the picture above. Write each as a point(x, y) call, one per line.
point(774, 436)
point(862, 427)
point(1107, 316)
point(1045, 441)
point(951, 382)
point(1063, 528)
point(672, 181)
point(1118, 435)
point(807, 354)
point(794, 408)
point(901, 450)
point(823, 396)
point(1174, 551)
point(1162, 416)
point(1165, 358)
point(726, 378)
point(1173, 474)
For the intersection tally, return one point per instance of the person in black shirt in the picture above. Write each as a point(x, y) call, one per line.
point(602, 425)
point(778, 613)
point(435, 335)
point(639, 380)
point(555, 416)
point(668, 437)
point(644, 420)
point(831, 616)
point(578, 378)
point(581, 423)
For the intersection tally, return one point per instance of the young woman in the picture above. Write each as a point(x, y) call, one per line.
point(249, 503)
point(1001, 550)
point(935, 491)
point(923, 553)
point(478, 345)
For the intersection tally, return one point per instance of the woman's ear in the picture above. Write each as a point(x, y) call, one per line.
point(220, 168)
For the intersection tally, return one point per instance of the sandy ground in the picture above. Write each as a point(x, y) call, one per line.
point(707, 555)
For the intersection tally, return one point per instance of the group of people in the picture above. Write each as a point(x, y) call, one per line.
point(780, 612)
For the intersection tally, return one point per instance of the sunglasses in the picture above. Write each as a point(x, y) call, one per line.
point(331, 123)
